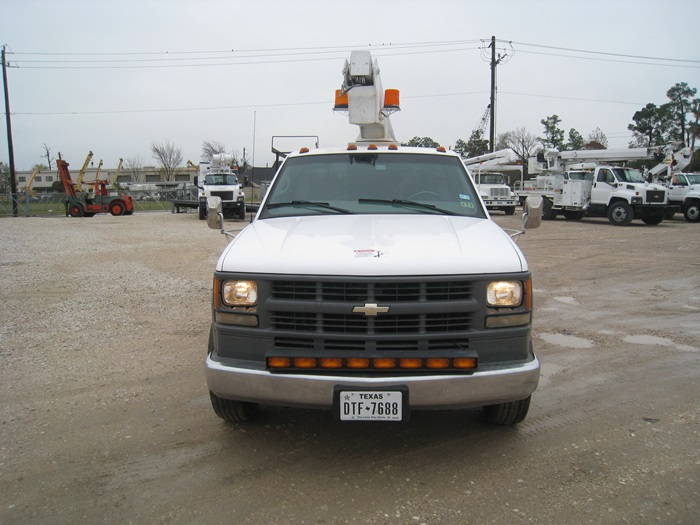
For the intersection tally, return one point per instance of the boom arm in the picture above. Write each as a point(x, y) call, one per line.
point(366, 102)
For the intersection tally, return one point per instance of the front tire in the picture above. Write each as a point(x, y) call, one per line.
point(510, 210)
point(117, 208)
point(620, 213)
point(507, 414)
point(202, 212)
point(548, 213)
point(691, 212)
point(233, 411)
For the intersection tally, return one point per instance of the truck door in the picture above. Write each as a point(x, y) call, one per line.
point(602, 186)
point(678, 188)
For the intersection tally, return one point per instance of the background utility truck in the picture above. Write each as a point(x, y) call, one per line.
point(495, 193)
point(372, 282)
point(586, 181)
point(219, 178)
point(684, 191)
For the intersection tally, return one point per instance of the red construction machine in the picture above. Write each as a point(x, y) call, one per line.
point(88, 203)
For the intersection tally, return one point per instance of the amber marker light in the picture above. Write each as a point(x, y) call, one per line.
point(331, 362)
point(437, 362)
point(441, 149)
point(411, 362)
point(528, 295)
point(464, 362)
point(384, 362)
point(358, 362)
point(304, 150)
point(393, 147)
point(278, 362)
point(372, 147)
point(352, 147)
point(305, 362)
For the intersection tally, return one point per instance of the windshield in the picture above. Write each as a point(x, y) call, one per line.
point(491, 179)
point(372, 183)
point(628, 175)
point(221, 179)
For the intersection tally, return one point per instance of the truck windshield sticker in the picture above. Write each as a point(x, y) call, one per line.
point(465, 197)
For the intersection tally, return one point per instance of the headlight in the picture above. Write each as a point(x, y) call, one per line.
point(504, 293)
point(239, 293)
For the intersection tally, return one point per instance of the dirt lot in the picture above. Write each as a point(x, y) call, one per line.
point(105, 414)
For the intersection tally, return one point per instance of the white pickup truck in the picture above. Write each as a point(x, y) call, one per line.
point(684, 191)
point(372, 282)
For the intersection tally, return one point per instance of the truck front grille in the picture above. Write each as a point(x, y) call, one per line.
point(363, 291)
point(655, 196)
point(499, 192)
point(224, 195)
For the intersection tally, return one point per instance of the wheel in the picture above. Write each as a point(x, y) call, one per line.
point(117, 208)
point(548, 213)
point(510, 210)
point(241, 212)
point(691, 212)
point(430, 193)
point(202, 212)
point(76, 210)
point(620, 213)
point(573, 215)
point(233, 411)
point(652, 220)
point(507, 413)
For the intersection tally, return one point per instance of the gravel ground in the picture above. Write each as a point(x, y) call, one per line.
point(106, 419)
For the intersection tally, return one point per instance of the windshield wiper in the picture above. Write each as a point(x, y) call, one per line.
point(403, 202)
point(324, 205)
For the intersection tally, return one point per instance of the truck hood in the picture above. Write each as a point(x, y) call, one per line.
point(363, 245)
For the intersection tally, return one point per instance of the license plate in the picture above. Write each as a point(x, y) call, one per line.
point(371, 405)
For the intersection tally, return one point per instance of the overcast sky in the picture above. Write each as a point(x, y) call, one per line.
point(115, 76)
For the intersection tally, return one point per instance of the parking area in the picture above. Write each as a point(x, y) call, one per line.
point(106, 417)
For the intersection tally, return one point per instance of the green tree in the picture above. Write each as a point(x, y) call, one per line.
point(553, 134)
point(5, 185)
point(681, 97)
point(576, 140)
point(476, 146)
point(421, 142)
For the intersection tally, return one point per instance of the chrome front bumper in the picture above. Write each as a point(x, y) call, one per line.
point(488, 387)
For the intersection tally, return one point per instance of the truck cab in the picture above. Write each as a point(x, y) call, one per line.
point(495, 193)
point(623, 194)
point(219, 178)
point(684, 192)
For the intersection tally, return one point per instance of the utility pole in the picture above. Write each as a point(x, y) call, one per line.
point(10, 149)
point(492, 123)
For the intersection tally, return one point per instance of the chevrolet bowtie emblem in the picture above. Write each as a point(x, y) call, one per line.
point(370, 309)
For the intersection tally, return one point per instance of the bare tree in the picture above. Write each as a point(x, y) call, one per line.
point(168, 156)
point(47, 154)
point(596, 140)
point(133, 166)
point(523, 144)
point(211, 147)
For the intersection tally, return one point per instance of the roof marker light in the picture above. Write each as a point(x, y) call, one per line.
point(372, 147)
point(441, 149)
point(304, 150)
point(393, 147)
point(352, 147)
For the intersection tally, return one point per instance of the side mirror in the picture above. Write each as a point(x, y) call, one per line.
point(215, 217)
point(532, 212)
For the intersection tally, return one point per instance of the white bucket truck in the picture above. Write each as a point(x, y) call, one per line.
point(219, 178)
point(372, 283)
point(684, 191)
point(589, 181)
